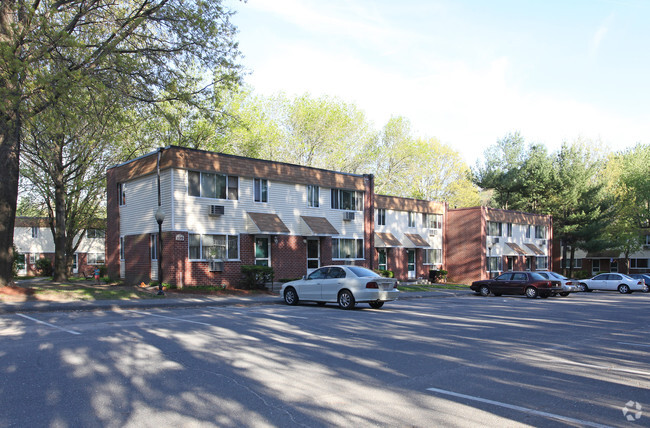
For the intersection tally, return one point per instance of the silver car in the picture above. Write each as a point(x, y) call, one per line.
point(345, 285)
point(613, 281)
point(568, 285)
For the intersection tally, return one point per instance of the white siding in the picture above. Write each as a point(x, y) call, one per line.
point(138, 215)
point(45, 242)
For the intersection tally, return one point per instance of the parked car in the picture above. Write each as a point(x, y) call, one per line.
point(645, 277)
point(532, 284)
point(568, 285)
point(612, 282)
point(345, 285)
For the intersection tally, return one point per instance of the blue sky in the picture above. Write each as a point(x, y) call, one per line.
point(467, 72)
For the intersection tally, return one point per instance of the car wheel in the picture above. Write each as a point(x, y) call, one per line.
point(583, 287)
point(531, 292)
point(291, 297)
point(624, 289)
point(564, 294)
point(485, 291)
point(376, 304)
point(346, 299)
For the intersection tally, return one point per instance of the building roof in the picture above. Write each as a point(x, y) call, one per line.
point(319, 225)
point(417, 240)
point(397, 203)
point(268, 223)
point(387, 239)
point(516, 248)
point(535, 249)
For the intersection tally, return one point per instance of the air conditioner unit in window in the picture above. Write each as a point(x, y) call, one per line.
point(216, 265)
point(495, 240)
point(348, 216)
point(434, 232)
point(542, 242)
point(216, 210)
point(646, 247)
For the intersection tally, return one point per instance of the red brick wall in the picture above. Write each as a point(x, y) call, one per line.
point(464, 250)
point(137, 258)
point(112, 226)
point(289, 257)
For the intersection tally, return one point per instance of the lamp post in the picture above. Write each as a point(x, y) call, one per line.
point(160, 217)
point(489, 261)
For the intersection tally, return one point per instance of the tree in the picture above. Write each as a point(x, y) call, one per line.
point(143, 50)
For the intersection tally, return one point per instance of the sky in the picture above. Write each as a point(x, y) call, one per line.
point(467, 72)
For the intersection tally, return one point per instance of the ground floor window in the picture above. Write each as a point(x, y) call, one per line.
point(494, 264)
point(347, 248)
point(638, 263)
point(541, 263)
point(577, 263)
point(220, 247)
point(433, 256)
point(96, 259)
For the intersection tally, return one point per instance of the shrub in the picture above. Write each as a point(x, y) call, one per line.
point(254, 276)
point(44, 267)
point(438, 275)
point(386, 273)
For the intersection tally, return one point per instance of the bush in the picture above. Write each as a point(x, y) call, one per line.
point(386, 273)
point(254, 276)
point(44, 267)
point(579, 274)
point(437, 275)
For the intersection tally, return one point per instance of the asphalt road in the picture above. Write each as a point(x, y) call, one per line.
point(454, 362)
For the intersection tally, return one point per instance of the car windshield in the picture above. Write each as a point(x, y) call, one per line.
point(536, 276)
point(362, 272)
point(624, 276)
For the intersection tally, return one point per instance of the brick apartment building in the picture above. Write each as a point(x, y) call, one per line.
point(483, 241)
point(223, 211)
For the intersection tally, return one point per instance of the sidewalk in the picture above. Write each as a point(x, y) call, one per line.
point(189, 301)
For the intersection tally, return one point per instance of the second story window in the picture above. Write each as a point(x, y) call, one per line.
point(121, 193)
point(411, 219)
point(509, 229)
point(350, 200)
point(96, 233)
point(261, 189)
point(34, 232)
point(540, 232)
point(494, 228)
point(313, 196)
point(215, 186)
point(433, 221)
point(528, 227)
point(381, 216)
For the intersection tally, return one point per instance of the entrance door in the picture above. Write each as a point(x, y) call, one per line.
point(262, 254)
point(20, 264)
point(382, 259)
point(313, 255)
point(75, 263)
point(410, 255)
point(613, 266)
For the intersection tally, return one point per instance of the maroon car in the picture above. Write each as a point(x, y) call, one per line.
point(529, 283)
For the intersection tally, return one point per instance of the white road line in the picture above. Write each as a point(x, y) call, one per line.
point(520, 409)
point(605, 368)
point(48, 324)
point(172, 318)
point(634, 344)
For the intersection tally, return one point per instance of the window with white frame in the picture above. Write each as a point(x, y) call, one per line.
point(212, 185)
point(381, 216)
point(638, 263)
point(261, 189)
point(221, 247)
point(121, 193)
point(577, 263)
point(494, 264)
point(541, 263)
point(96, 233)
point(349, 200)
point(32, 258)
point(411, 219)
point(34, 231)
point(154, 246)
point(509, 230)
point(433, 221)
point(96, 259)
point(540, 232)
point(433, 256)
point(647, 240)
point(528, 230)
point(343, 248)
point(313, 196)
point(494, 228)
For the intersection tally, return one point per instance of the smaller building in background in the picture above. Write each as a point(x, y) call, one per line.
point(483, 242)
point(34, 240)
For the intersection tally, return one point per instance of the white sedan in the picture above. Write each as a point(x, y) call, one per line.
point(612, 281)
point(568, 285)
point(345, 285)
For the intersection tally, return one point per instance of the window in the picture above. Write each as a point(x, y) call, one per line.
point(96, 233)
point(647, 240)
point(221, 247)
point(210, 185)
point(540, 232)
point(154, 246)
point(433, 257)
point(411, 219)
point(34, 232)
point(541, 263)
point(638, 263)
point(261, 188)
point(381, 217)
point(494, 228)
point(494, 264)
point(433, 221)
point(350, 200)
point(509, 229)
point(121, 248)
point(32, 258)
point(347, 248)
point(528, 227)
point(121, 193)
point(577, 263)
point(313, 196)
point(96, 259)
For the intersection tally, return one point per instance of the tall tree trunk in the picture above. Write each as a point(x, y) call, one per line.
point(9, 165)
point(60, 265)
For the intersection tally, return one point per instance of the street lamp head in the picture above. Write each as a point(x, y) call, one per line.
point(160, 215)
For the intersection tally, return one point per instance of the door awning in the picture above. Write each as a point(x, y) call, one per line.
point(386, 239)
point(535, 249)
point(268, 223)
point(417, 240)
point(319, 225)
point(517, 249)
